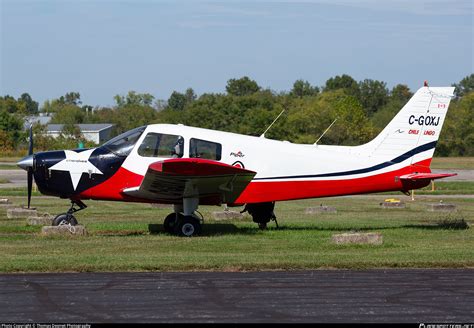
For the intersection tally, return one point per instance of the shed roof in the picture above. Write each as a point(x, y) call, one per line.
point(82, 127)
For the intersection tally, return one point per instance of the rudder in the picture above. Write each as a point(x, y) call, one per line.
point(416, 127)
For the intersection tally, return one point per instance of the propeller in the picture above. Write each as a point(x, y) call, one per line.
point(27, 165)
point(30, 168)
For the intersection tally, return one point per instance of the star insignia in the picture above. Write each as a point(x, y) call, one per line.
point(76, 164)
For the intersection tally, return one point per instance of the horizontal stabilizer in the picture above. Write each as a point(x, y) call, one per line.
point(426, 176)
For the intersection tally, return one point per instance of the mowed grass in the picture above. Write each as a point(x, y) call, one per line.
point(11, 159)
point(445, 188)
point(11, 166)
point(119, 239)
point(464, 163)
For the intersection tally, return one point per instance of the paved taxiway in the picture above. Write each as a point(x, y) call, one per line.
point(413, 295)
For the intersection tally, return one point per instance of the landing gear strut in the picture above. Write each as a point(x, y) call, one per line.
point(261, 213)
point(184, 222)
point(67, 218)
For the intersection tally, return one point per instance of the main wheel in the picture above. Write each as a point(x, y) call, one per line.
point(170, 222)
point(188, 226)
point(64, 219)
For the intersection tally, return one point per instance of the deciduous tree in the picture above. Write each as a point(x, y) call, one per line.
point(242, 87)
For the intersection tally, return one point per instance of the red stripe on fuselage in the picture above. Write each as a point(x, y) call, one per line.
point(111, 189)
point(267, 191)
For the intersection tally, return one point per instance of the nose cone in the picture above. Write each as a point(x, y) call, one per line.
point(26, 162)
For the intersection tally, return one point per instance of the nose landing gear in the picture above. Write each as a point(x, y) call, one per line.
point(67, 218)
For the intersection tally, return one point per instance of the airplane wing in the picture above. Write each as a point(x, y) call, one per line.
point(426, 176)
point(171, 180)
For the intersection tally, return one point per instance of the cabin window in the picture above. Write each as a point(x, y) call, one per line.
point(205, 149)
point(162, 145)
point(123, 144)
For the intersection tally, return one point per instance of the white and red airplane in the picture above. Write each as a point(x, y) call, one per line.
point(188, 166)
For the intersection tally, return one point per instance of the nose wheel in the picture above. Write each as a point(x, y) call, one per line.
point(67, 218)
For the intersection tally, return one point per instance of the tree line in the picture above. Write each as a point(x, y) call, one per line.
point(360, 110)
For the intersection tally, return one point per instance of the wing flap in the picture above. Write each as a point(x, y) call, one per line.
point(174, 179)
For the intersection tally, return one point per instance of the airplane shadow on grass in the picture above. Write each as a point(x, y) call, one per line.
point(215, 229)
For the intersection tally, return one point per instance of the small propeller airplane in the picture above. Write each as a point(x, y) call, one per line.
point(187, 167)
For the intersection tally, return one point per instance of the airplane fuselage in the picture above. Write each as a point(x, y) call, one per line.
point(285, 170)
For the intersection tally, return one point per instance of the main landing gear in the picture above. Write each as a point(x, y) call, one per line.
point(261, 213)
point(67, 218)
point(184, 222)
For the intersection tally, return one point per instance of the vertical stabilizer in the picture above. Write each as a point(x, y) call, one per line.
point(415, 130)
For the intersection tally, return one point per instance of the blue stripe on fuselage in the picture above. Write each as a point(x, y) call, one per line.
point(396, 160)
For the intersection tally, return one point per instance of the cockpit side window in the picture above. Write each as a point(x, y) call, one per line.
point(205, 149)
point(162, 145)
point(123, 144)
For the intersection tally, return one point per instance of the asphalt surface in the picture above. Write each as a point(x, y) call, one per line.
point(17, 178)
point(418, 295)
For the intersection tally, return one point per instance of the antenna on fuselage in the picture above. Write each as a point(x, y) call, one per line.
point(263, 134)
point(322, 135)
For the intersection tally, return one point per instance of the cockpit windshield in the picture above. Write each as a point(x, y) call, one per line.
point(123, 144)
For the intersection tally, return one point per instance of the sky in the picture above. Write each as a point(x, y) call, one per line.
point(101, 48)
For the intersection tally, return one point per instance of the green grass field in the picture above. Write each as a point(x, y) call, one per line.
point(119, 239)
point(463, 163)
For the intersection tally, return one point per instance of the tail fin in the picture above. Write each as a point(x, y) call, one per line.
point(414, 131)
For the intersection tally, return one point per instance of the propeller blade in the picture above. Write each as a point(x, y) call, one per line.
point(30, 149)
point(30, 169)
point(30, 184)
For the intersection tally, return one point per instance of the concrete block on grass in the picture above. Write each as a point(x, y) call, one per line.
point(393, 205)
point(441, 207)
point(64, 230)
point(227, 215)
point(21, 213)
point(320, 209)
point(358, 238)
point(45, 220)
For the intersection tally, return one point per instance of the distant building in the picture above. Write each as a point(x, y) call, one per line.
point(97, 133)
point(42, 119)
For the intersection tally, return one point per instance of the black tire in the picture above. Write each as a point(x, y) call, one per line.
point(65, 219)
point(170, 222)
point(188, 226)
